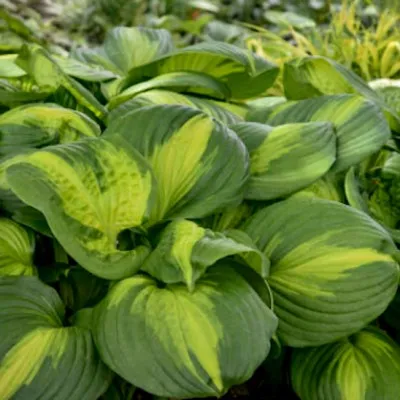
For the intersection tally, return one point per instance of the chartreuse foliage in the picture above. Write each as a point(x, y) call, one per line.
point(167, 226)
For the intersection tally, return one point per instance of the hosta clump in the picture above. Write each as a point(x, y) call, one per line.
point(137, 174)
point(163, 227)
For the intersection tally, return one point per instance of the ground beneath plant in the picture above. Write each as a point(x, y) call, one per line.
point(255, 389)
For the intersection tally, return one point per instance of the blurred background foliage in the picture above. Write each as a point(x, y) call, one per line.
point(362, 35)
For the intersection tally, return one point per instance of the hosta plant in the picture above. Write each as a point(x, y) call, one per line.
point(166, 227)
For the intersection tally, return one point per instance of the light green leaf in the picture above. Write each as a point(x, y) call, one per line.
point(40, 359)
point(85, 71)
point(363, 366)
point(89, 192)
point(186, 250)
point(353, 191)
point(329, 188)
point(49, 76)
point(332, 268)
point(200, 165)
point(260, 107)
point(289, 19)
point(315, 76)
point(224, 32)
point(10, 41)
point(192, 82)
point(229, 218)
point(37, 125)
point(377, 193)
point(126, 48)
point(389, 91)
point(12, 96)
point(16, 249)
point(8, 200)
point(18, 25)
point(244, 73)
point(187, 345)
point(8, 68)
point(286, 158)
point(218, 110)
point(204, 5)
point(360, 126)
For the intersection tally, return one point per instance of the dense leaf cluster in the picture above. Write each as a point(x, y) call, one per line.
point(165, 225)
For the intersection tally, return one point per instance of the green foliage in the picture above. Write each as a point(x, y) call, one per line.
point(168, 227)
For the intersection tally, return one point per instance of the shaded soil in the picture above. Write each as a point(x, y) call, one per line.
point(255, 389)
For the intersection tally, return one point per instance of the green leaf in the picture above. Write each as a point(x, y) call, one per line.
point(126, 48)
point(289, 19)
point(16, 249)
point(244, 73)
point(119, 390)
point(389, 91)
point(315, 76)
point(200, 165)
point(89, 192)
point(329, 188)
point(218, 110)
point(50, 76)
point(187, 345)
point(192, 82)
point(186, 250)
point(37, 125)
point(8, 200)
point(353, 191)
point(229, 218)
point(374, 189)
point(8, 68)
point(10, 41)
point(84, 71)
point(11, 96)
point(18, 25)
point(332, 268)
point(360, 126)
point(80, 289)
point(365, 365)
point(32, 218)
point(39, 357)
point(287, 158)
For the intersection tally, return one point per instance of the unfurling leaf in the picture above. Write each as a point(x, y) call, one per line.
point(186, 250)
